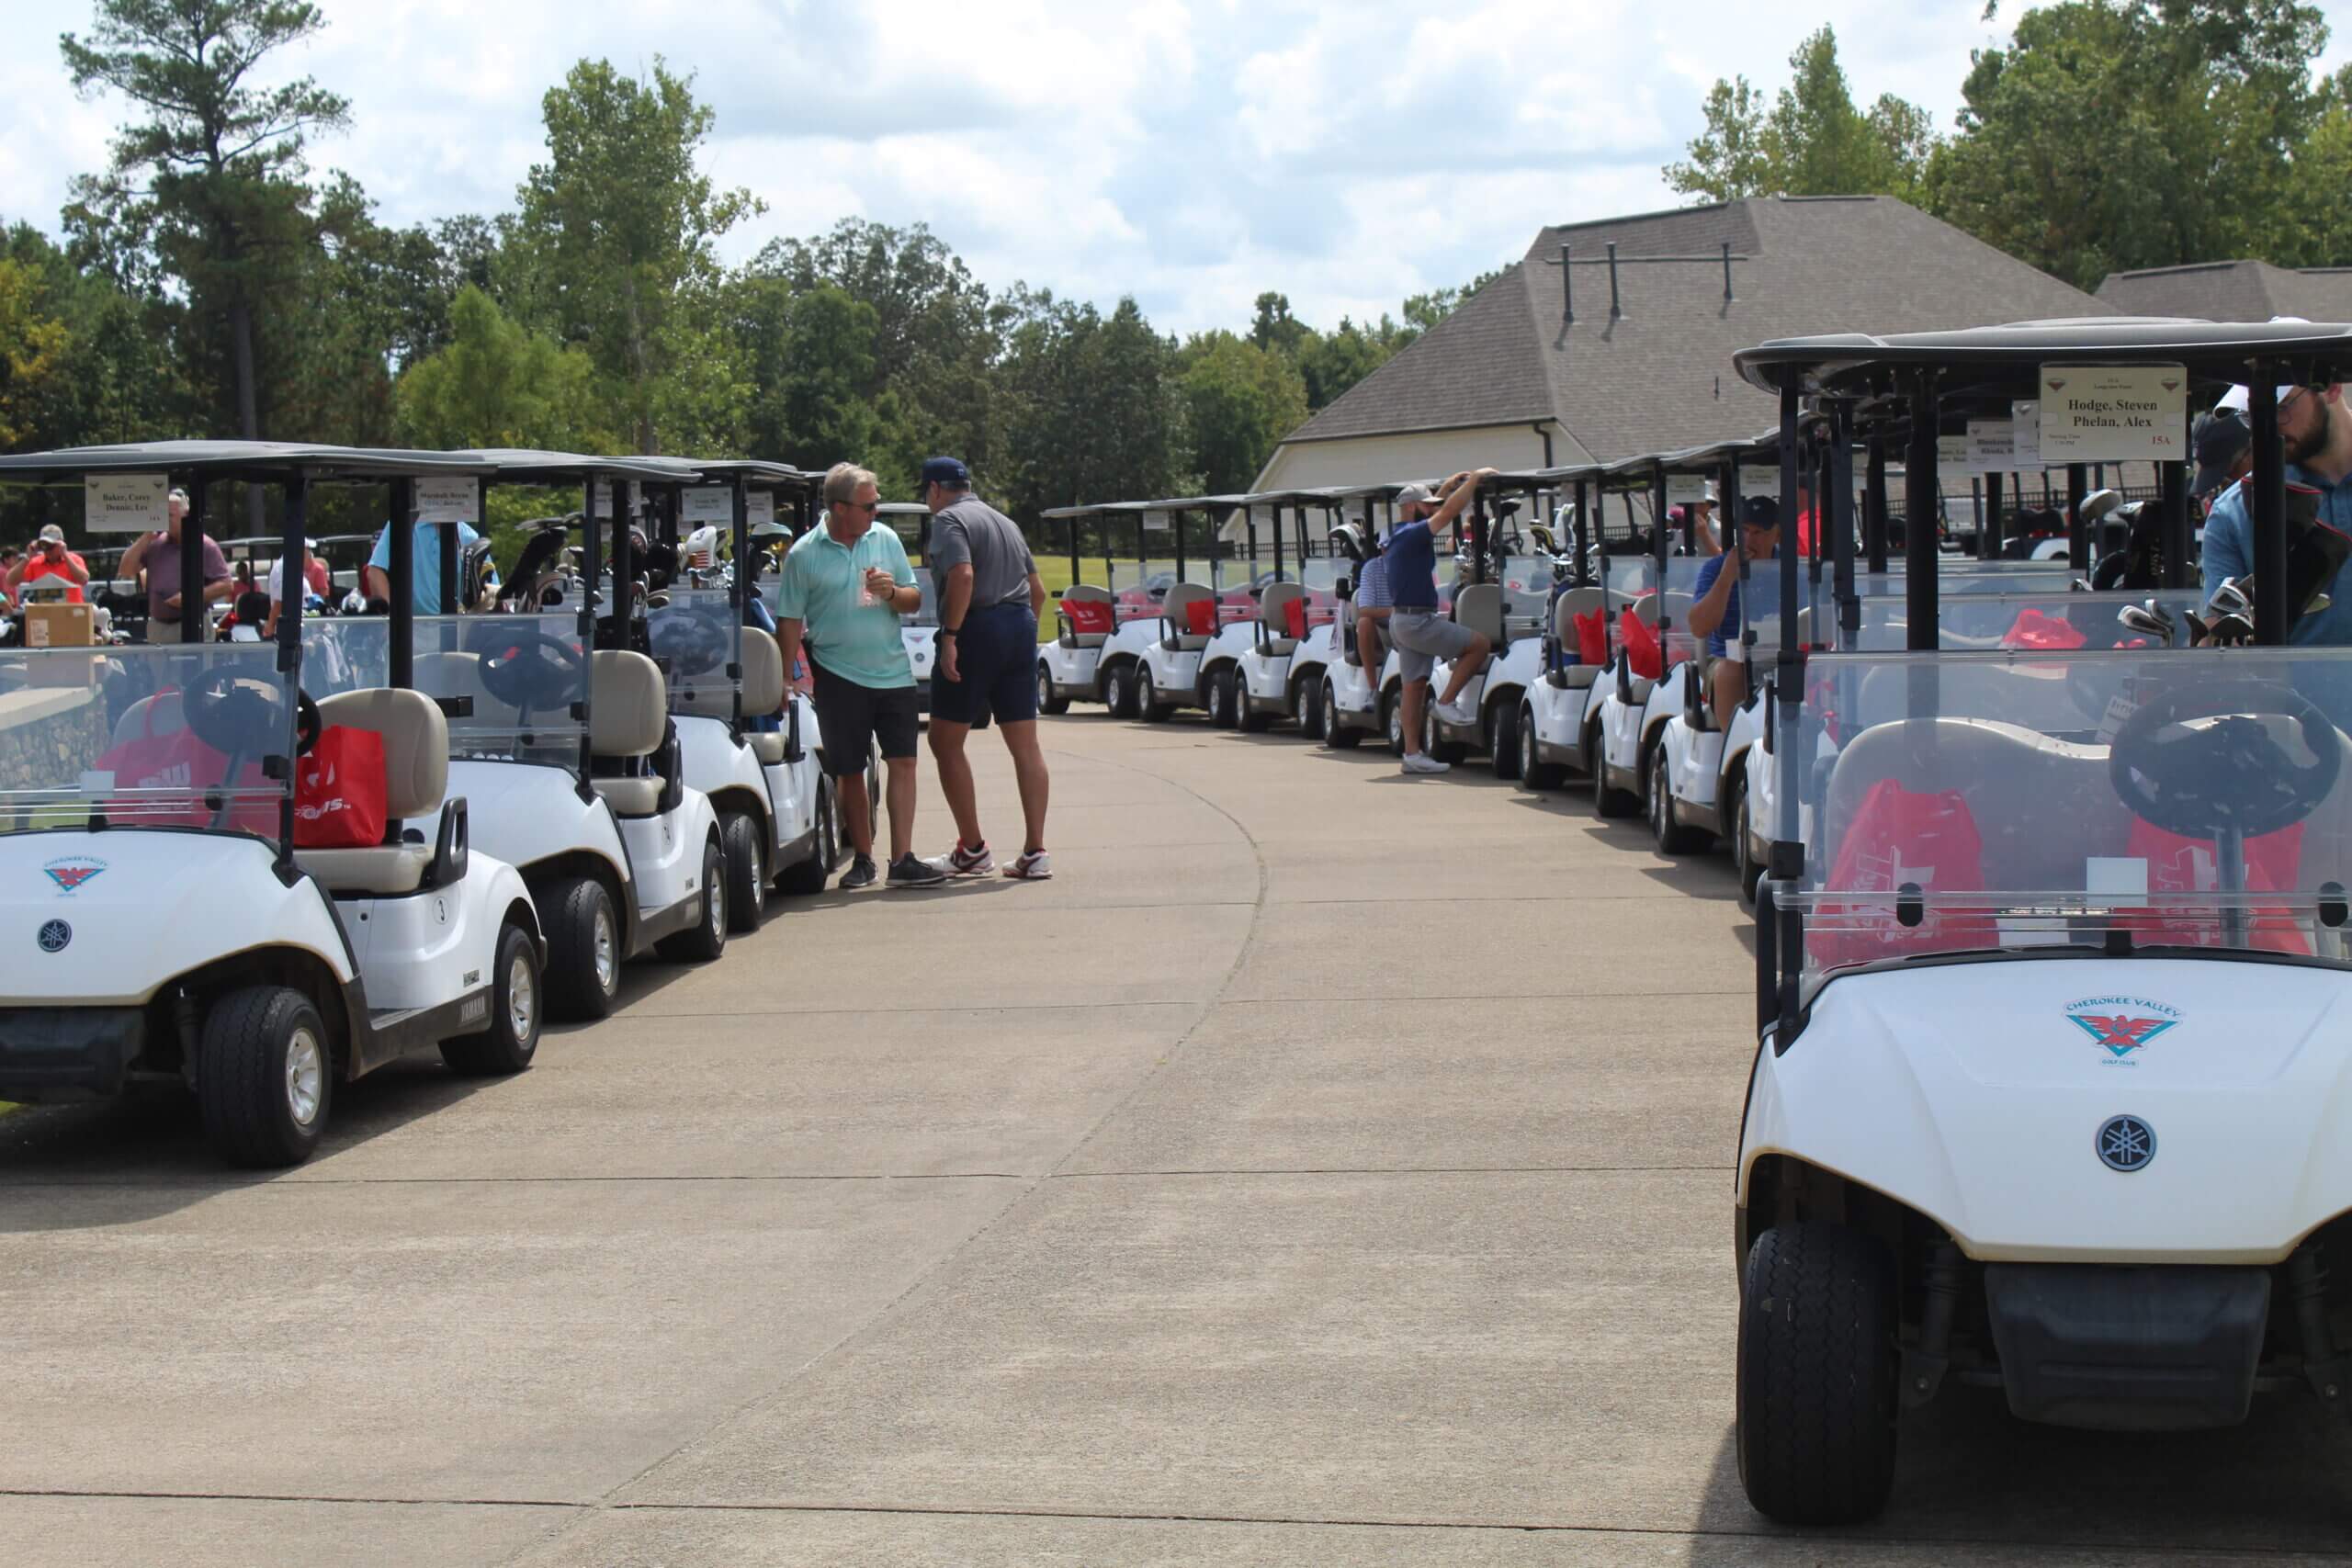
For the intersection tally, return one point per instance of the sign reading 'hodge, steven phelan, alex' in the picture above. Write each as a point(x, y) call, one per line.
point(2113, 413)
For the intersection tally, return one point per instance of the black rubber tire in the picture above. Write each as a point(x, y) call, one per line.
point(746, 855)
point(1502, 737)
point(1119, 690)
point(1673, 838)
point(1047, 703)
point(502, 1049)
point(570, 909)
point(706, 939)
point(1337, 734)
point(1149, 707)
point(805, 877)
point(1434, 743)
point(1744, 865)
point(242, 1076)
point(1534, 773)
point(1817, 1375)
point(1391, 721)
point(1608, 802)
point(1306, 706)
point(1224, 708)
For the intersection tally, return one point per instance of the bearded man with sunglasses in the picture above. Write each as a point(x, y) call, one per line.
point(2315, 429)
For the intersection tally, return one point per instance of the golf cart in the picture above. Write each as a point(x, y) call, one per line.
point(1076, 666)
point(1557, 707)
point(777, 820)
point(1197, 609)
point(567, 751)
point(1507, 595)
point(1279, 669)
point(1322, 674)
point(2048, 1094)
point(175, 928)
point(1660, 588)
point(1245, 669)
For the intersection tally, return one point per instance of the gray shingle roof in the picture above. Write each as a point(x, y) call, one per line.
point(1660, 375)
point(2232, 291)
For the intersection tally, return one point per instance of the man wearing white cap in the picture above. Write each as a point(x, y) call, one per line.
point(50, 558)
point(2315, 430)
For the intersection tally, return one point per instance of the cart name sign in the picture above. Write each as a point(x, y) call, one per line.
point(2109, 413)
point(125, 504)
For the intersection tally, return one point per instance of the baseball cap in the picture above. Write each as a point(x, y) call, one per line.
point(1411, 493)
point(2217, 439)
point(1759, 511)
point(51, 533)
point(948, 471)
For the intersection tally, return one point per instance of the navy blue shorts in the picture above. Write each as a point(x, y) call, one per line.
point(996, 669)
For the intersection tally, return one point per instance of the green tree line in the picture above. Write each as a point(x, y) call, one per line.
point(2107, 136)
point(209, 282)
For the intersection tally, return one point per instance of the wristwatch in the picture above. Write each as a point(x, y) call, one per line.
point(946, 631)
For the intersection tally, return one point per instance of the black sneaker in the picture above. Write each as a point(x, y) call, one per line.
point(859, 874)
point(908, 872)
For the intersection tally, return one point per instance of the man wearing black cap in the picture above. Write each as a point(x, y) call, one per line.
point(990, 598)
point(1714, 602)
point(2224, 449)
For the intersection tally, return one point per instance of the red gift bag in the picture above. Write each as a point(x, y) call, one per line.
point(1295, 618)
point(1088, 617)
point(1199, 617)
point(339, 792)
point(2274, 863)
point(2035, 629)
point(1899, 837)
point(1592, 636)
point(1642, 656)
point(177, 761)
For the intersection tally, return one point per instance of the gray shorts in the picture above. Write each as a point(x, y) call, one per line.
point(1424, 636)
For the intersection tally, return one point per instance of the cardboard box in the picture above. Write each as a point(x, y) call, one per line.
point(57, 625)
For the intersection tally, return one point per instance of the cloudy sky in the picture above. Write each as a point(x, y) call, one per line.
point(1192, 152)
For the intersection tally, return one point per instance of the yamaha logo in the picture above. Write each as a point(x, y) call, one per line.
point(54, 935)
point(2126, 1143)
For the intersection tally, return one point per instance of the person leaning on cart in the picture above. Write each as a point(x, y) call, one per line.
point(1714, 604)
point(844, 586)
point(159, 555)
point(1421, 636)
point(2315, 429)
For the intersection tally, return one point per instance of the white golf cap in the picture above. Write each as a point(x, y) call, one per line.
point(51, 533)
point(1411, 493)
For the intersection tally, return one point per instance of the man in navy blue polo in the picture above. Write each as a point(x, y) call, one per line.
point(1714, 604)
point(1421, 635)
point(2316, 430)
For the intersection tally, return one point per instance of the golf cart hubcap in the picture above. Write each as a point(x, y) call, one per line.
point(605, 965)
point(305, 1076)
point(521, 999)
point(715, 902)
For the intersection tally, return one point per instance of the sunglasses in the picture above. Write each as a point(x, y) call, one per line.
point(861, 505)
point(2289, 400)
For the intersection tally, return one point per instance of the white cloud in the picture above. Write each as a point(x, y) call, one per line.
point(1192, 152)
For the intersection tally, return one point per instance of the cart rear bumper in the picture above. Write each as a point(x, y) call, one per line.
point(2123, 1349)
point(52, 1054)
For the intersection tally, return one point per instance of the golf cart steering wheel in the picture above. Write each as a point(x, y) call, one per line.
point(238, 717)
point(527, 669)
point(2209, 759)
point(694, 645)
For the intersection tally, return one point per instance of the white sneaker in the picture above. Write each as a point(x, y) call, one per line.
point(1422, 762)
point(1457, 715)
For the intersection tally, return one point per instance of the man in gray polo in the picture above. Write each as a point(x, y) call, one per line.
point(990, 598)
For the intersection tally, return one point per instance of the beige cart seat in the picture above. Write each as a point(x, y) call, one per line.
point(628, 716)
point(764, 691)
point(416, 776)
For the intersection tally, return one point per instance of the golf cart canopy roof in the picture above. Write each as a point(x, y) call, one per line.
point(1097, 508)
point(753, 471)
point(1544, 478)
point(2221, 353)
point(260, 461)
point(522, 465)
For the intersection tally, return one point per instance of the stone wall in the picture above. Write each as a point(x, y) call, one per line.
point(49, 735)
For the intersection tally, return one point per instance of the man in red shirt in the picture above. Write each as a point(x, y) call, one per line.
point(50, 558)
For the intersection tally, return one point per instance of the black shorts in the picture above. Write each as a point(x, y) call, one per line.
point(851, 717)
point(996, 669)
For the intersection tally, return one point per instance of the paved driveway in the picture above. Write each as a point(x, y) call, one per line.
point(1328, 1168)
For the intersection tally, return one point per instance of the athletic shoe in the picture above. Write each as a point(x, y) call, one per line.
point(1420, 762)
point(908, 872)
point(859, 874)
point(1031, 867)
point(962, 861)
point(1457, 715)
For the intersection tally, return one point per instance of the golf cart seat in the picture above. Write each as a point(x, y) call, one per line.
point(763, 693)
point(1576, 602)
point(1274, 618)
point(416, 775)
point(1085, 592)
point(458, 675)
point(627, 717)
point(1176, 613)
point(158, 715)
point(1478, 607)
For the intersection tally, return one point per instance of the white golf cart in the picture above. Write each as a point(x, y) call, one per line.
point(1508, 599)
point(1559, 705)
point(568, 753)
point(1628, 721)
point(779, 822)
point(1266, 612)
point(2048, 1098)
point(1203, 601)
point(1081, 664)
point(173, 928)
point(1325, 682)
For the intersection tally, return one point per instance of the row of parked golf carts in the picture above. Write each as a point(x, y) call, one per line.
point(609, 765)
point(2053, 1086)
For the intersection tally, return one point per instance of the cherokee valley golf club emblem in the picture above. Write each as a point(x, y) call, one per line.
point(2121, 1024)
point(69, 875)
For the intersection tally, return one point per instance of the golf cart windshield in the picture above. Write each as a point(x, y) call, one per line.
point(174, 736)
point(698, 640)
point(2110, 801)
point(519, 681)
point(2044, 621)
point(1138, 587)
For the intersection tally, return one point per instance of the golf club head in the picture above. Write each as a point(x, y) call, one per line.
point(2098, 504)
point(2231, 596)
point(2232, 630)
point(2145, 620)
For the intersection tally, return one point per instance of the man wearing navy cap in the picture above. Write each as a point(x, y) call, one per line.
point(989, 597)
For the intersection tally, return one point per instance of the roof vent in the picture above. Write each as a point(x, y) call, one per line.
point(1616, 310)
point(1567, 290)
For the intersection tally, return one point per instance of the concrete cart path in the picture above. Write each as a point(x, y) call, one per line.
point(1326, 1167)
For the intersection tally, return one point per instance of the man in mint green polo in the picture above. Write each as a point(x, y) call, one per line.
point(842, 590)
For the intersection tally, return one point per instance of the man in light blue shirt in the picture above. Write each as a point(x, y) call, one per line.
point(844, 587)
point(425, 565)
point(2316, 430)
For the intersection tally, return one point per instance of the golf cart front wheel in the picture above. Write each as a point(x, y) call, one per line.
point(1674, 838)
point(1338, 734)
point(742, 843)
point(707, 938)
point(1149, 707)
point(1434, 738)
point(1817, 1375)
point(1119, 691)
point(584, 969)
point(1225, 709)
point(1744, 863)
point(1306, 706)
point(1533, 771)
point(804, 878)
point(513, 1037)
point(263, 1075)
point(1048, 702)
point(1502, 737)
